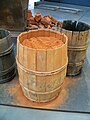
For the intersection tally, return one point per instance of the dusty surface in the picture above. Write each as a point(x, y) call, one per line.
point(11, 93)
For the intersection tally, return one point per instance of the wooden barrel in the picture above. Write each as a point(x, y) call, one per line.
point(41, 71)
point(77, 33)
point(7, 59)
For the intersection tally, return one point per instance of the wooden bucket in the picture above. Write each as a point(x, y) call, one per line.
point(77, 33)
point(41, 72)
point(7, 59)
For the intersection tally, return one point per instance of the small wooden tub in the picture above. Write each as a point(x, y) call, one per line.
point(77, 33)
point(41, 71)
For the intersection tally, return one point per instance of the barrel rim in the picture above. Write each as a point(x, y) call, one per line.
point(78, 48)
point(8, 79)
point(77, 31)
point(66, 41)
point(9, 69)
point(5, 31)
point(7, 51)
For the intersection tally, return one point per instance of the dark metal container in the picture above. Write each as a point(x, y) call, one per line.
point(7, 58)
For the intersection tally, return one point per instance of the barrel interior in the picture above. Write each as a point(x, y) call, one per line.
point(41, 33)
point(3, 33)
point(75, 26)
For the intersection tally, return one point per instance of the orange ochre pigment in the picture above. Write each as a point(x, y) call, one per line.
point(42, 42)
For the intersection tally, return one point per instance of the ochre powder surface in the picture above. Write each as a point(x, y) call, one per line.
point(42, 42)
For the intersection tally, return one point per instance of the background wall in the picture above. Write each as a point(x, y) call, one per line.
point(75, 2)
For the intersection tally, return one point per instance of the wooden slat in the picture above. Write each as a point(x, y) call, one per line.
point(58, 54)
point(62, 76)
point(41, 60)
point(80, 56)
point(41, 83)
point(32, 84)
point(57, 80)
point(31, 66)
point(75, 37)
point(26, 93)
point(53, 82)
point(69, 35)
point(17, 50)
point(25, 57)
point(41, 97)
point(57, 58)
point(41, 67)
point(86, 36)
point(31, 59)
point(20, 74)
point(71, 56)
point(21, 57)
point(25, 79)
point(64, 55)
point(64, 31)
point(49, 83)
point(50, 67)
point(81, 40)
point(50, 60)
point(33, 97)
point(22, 77)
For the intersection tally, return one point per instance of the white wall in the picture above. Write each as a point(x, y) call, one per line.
point(31, 4)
